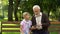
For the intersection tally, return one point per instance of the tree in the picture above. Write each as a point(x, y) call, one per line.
point(17, 2)
point(10, 10)
point(47, 6)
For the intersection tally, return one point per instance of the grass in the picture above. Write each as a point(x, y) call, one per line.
point(10, 32)
point(53, 32)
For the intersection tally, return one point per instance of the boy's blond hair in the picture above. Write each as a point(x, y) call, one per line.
point(25, 13)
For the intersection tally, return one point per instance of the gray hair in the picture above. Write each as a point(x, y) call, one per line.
point(36, 6)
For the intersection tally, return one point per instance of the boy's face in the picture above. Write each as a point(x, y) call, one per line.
point(27, 16)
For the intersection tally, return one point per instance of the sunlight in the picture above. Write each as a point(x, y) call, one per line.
point(0, 2)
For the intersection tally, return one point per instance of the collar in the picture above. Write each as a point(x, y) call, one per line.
point(25, 20)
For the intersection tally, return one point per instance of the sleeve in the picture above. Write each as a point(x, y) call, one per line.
point(30, 23)
point(47, 22)
point(21, 23)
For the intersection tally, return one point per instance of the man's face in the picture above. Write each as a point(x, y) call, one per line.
point(36, 11)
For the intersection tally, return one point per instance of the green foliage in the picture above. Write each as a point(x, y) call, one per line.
point(49, 7)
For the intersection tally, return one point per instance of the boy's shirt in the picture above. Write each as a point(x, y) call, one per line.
point(26, 24)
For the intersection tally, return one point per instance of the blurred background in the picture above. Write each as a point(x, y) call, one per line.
point(11, 10)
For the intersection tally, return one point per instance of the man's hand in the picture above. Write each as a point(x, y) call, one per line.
point(39, 27)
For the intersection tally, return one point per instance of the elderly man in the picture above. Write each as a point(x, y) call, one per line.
point(40, 21)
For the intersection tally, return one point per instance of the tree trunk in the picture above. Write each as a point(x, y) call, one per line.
point(10, 10)
point(16, 9)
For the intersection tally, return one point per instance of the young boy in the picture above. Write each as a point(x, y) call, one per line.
point(25, 24)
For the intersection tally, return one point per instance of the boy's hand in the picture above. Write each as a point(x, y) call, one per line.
point(33, 27)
